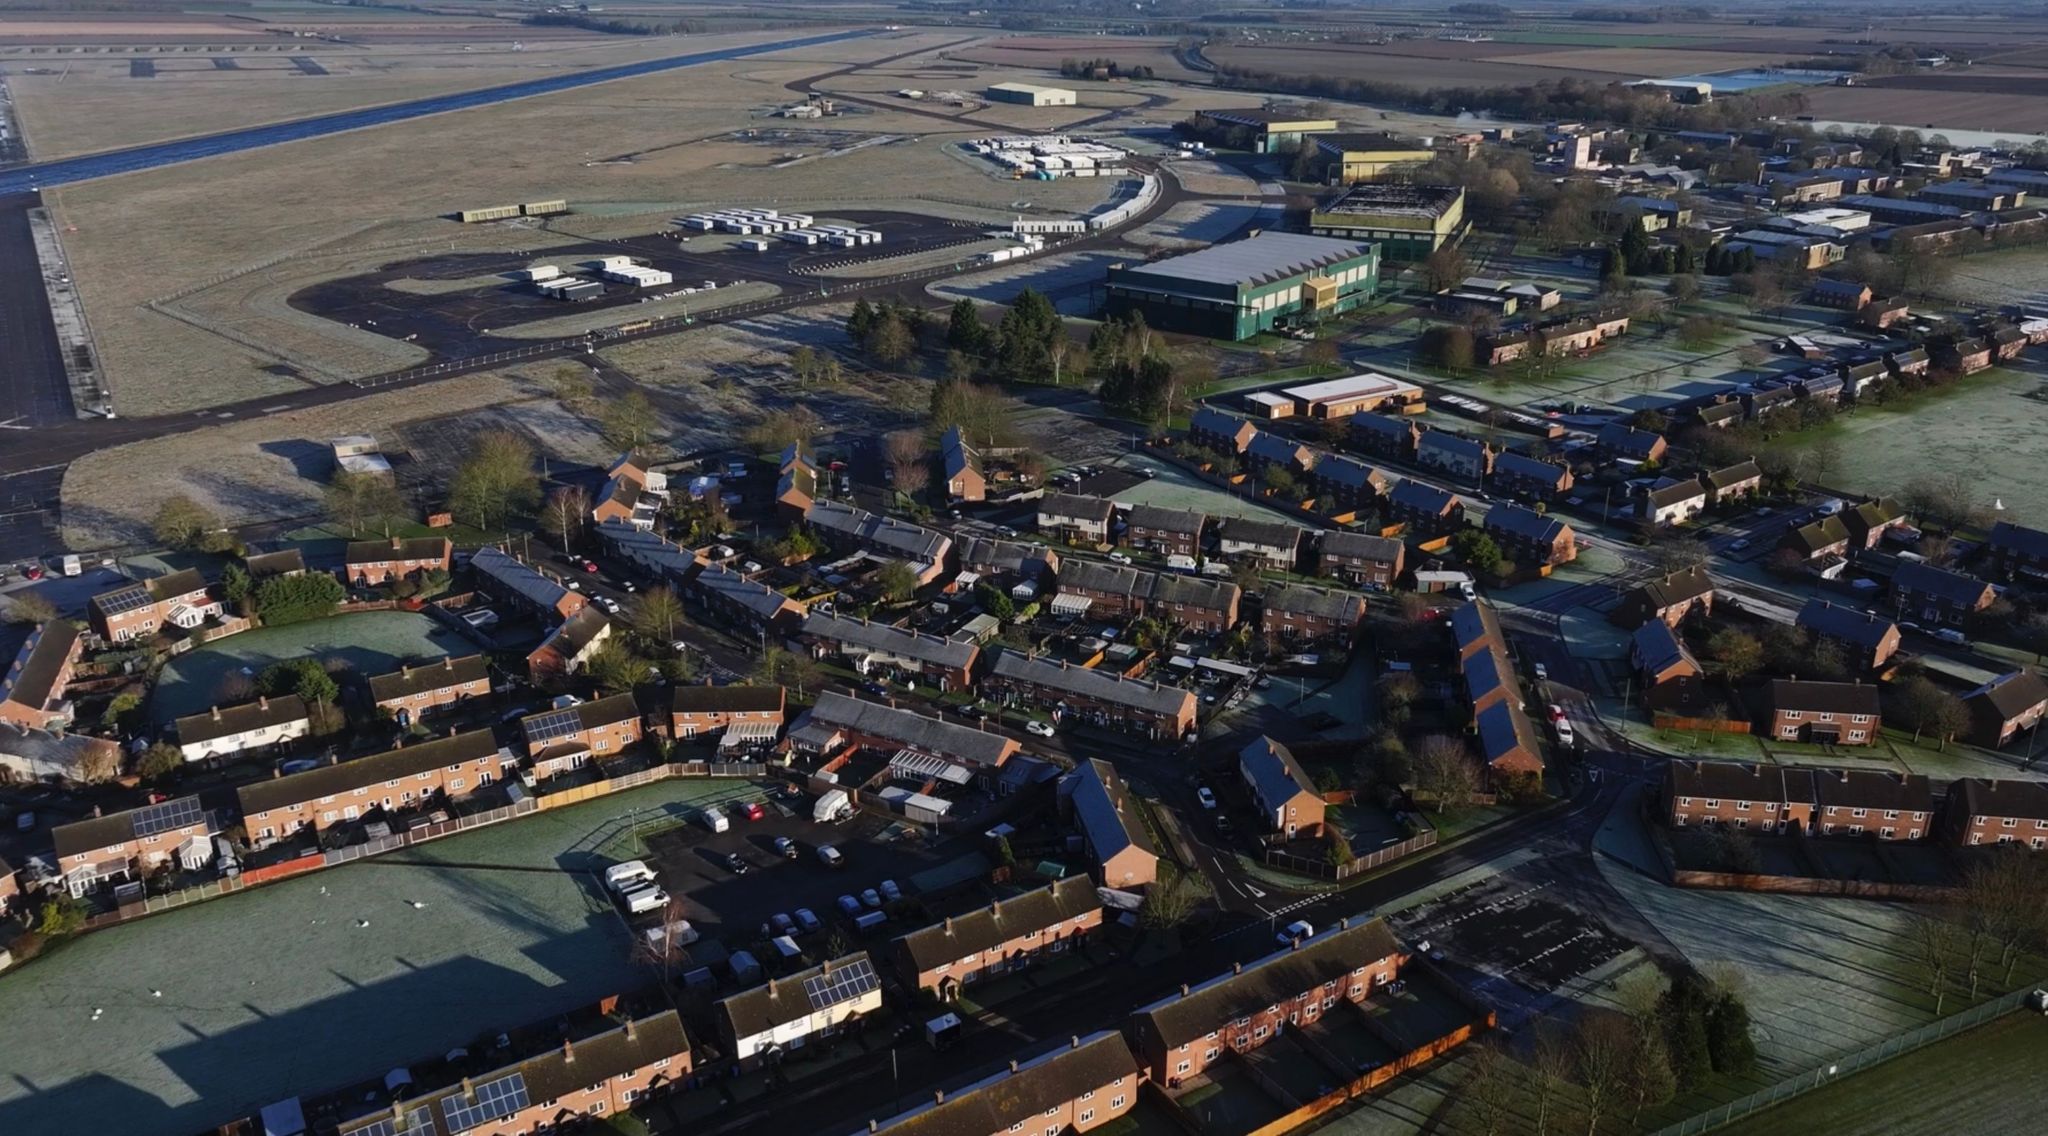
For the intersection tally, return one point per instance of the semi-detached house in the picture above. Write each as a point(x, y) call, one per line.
point(896, 652)
point(1829, 713)
point(1005, 936)
point(418, 691)
point(1076, 519)
point(1132, 705)
point(1106, 814)
point(1078, 1087)
point(1269, 544)
point(511, 581)
point(845, 527)
point(564, 738)
point(130, 845)
point(752, 713)
point(136, 611)
point(1296, 615)
point(393, 781)
point(32, 692)
point(767, 1023)
point(371, 563)
point(1984, 811)
point(839, 722)
point(240, 729)
point(1819, 802)
point(1937, 595)
point(1360, 558)
point(1286, 800)
point(1182, 1035)
point(1168, 532)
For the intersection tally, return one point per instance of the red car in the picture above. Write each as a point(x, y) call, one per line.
point(590, 566)
point(752, 810)
point(33, 572)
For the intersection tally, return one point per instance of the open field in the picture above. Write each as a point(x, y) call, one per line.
point(573, 322)
point(1392, 67)
point(278, 991)
point(1048, 52)
point(1657, 62)
point(253, 208)
point(372, 642)
point(260, 468)
point(1986, 432)
point(1986, 1080)
point(1931, 108)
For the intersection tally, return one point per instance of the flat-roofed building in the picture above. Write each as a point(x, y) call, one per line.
point(1368, 391)
point(1030, 94)
point(1238, 289)
point(1408, 222)
point(1271, 130)
point(1356, 157)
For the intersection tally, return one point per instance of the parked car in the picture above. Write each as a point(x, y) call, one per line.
point(1207, 798)
point(1951, 635)
point(808, 921)
point(644, 899)
point(870, 897)
point(1738, 544)
point(1039, 729)
point(1294, 932)
point(890, 892)
point(830, 856)
point(1542, 673)
point(735, 865)
point(783, 924)
point(590, 566)
point(1119, 558)
point(786, 848)
point(849, 906)
point(749, 810)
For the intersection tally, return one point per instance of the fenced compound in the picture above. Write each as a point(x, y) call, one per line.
point(1867, 1058)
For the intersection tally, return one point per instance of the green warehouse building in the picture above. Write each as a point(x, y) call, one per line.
point(1239, 289)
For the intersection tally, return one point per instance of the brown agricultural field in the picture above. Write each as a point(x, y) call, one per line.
point(1959, 110)
point(1645, 62)
point(1390, 66)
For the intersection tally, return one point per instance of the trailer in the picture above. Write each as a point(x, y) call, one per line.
point(870, 237)
point(544, 208)
point(755, 245)
point(539, 272)
point(800, 237)
point(841, 240)
point(491, 213)
point(580, 291)
point(700, 224)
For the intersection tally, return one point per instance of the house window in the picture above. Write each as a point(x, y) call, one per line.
point(1713, 803)
point(1827, 717)
point(1087, 1116)
point(2009, 822)
point(1859, 812)
point(1891, 814)
point(1259, 1033)
point(1742, 806)
point(456, 784)
point(1211, 1054)
point(1181, 1068)
point(1053, 1111)
point(1116, 1102)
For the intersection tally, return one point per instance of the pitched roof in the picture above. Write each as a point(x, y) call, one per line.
point(1674, 588)
point(989, 554)
point(1077, 506)
point(1846, 624)
point(1329, 603)
point(906, 727)
point(577, 632)
point(1525, 524)
point(1727, 780)
point(1268, 446)
point(1824, 533)
point(1020, 1095)
point(1504, 730)
point(280, 563)
point(1455, 445)
point(1338, 469)
point(2019, 539)
point(1876, 513)
point(1872, 789)
point(95, 833)
point(1209, 420)
point(1195, 591)
point(898, 537)
point(1839, 287)
point(1099, 576)
point(1475, 625)
point(782, 1000)
point(1385, 426)
point(1955, 587)
point(1985, 797)
point(703, 698)
point(517, 578)
point(1628, 441)
point(183, 582)
point(226, 723)
point(936, 650)
point(1326, 957)
point(2011, 695)
point(1270, 534)
point(956, 454)
point(1734, 475)
point(553, 1074)
point(1163, 519)
point(32, 678)
point(736, 589)
point(1509, 462)
point(1426, 499)
point(397, 548)
point(449, 671)
point(1137, 693)
point(1102, 806)
point(1361, 546)
point(1674, 490)
point(1829, 697)
point(986, 928)
point(328, 780)
point(1273, 772)
point(1659, 648)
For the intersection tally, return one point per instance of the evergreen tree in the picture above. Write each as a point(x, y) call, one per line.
point(861, 321)
point(1682, 1012)
point(1635, 249)
point(964, 330)
point(1745, 260)
point(1728, 1042)
point(1681, 260)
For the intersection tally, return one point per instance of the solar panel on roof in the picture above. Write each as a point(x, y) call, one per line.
point(843, 984)
point(166, 816)
point(418, 1122)
point(544, 728)
point(124, 601)
point(495, 1100)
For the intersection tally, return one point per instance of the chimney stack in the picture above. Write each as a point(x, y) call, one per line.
point(1075, 1042)
point(1183, 989)
point(1013, 1064)
point(216, 713)
point(263, 702)
point(938, 1096)
point(568, 1052)
point(629, 1029)
point(1237, 968)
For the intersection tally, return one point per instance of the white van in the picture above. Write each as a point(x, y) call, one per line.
point(714, 819)
point(644, 899)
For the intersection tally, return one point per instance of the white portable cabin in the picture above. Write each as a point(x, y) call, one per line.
point(841, 240)
point(870, 237)
point(540, 272)
point(755, 245)
point(800, 237)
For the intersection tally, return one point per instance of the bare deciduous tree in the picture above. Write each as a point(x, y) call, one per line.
point(1446, 771)
point(563, 514)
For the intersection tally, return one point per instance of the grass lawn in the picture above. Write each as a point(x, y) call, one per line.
point(371, 642)
point(1986, 1080)
point(463, 535)
point(1458, 822)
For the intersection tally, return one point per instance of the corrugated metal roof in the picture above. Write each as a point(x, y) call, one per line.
point(1256, 260)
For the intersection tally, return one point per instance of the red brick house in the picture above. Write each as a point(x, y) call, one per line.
point(1132, 705)
point(1168, 532)
point(130, 845)
point(1528, 477)
point(2005, 706)
point(1871, 802)
point(882, 649)
point(1281, 792)
point(1384, 435)
point(568, 647)
point(1734, 483)
point(1006, 936)
point(1867, 640)
point(1820, 802)
point(137, 611)
point(564, 738)
point(398, 780)
point(1660, 656)
point(703, 710)
point(372, 563)
point(1426, 511)
point(1937, 595)
point(2016, 550)
point(1669, 598)
point(1984, 811)
point(1619, 441)
point(32, 692)
point(1528, 538)
point(620, 498)
point(1346, 483)
point(1181, 1035)
point(1360, 558)
point(1077, 1087)
point(421, 690)
point(1225, 433)
point(1100, 806)
point(1869, 522)
point(1296, 614)
point(1832, 713)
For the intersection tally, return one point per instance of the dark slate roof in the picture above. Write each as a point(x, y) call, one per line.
point(282, 563)
point(1361, 546)
point(1628, 441)
point(517, 578)
point(1275, 775)
point(1269, 534)
point(1428, 499)
point(1727, 780)
point(1103, 806)
point(1326, 957)
point(450, 671)
point(1719, 411)
point(1387, 427)
point(1984, 797)
point(417, 548)
point(1734, 475)
point(1872, 789)
point(1330, 603)
point(2011, 695)
point(1455, 445)
point(1676, 490)
point(1955, 587)
point(1824, 533)
point(328, 780)
point(1840, 288)
point(1659, 647)
point(1021, 1096)
point(1338, 469)
point(2019, 539)
point(1511, 463)
point(1503, 729)
point(1827, 697)
point(1209, 420)
point(1100, 576)
point(898, 537)
point(1162, 519)
point(1075, 505)
point(577, 632)
point(1846, 624)
point(1091, 683)
point(936, 650)
point(185, 581)
point(780, 1001)
point(94, 833)
point(699, 698)
point(1675, 588)
point(986, 928)
point(981, 553)
point(552, 1075)
point(1524, 524)
point(906, 727)
point(223, 723)
point(1268, 446)
point(1195, 591)
point(32, 678)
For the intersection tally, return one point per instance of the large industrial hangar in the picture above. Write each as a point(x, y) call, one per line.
point(1407, 221)
point(1031, 94)
point(1272, 131)
point(1237, 290)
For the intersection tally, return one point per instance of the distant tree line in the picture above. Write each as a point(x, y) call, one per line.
point(1102, 68)
point(1692, 13)
point(614, 26)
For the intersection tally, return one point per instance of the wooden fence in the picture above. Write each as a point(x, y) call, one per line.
point(1321, 868)
point(1699, 725)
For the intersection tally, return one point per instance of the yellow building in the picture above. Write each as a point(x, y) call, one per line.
point(1408, 222)
point(1362, 157)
